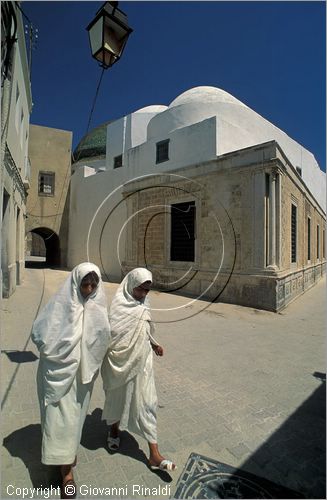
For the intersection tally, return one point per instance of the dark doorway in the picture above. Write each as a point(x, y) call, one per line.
point(44, 244)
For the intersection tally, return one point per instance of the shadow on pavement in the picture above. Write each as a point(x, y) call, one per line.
point(94, 436)
point(293, 457)
point(320, 376)
point(295, 454)
point(31, 264)
point(20, 356)
point(25, 443)
point(44, 265)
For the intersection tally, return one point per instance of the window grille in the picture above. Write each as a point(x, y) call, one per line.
point(293, 232)
point(309, 238)
point(46, 183)
point(162, 151)
point(182, 242)
point(118, 161)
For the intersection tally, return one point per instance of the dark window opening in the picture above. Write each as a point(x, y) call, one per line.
point(293, 232)
point(323, 244)
point(46, 183)
point(267, 218)
point(182, 238)
point(318, 243)
point(309, 238)
point(118, 161)
point(162, 151)
point(5, 202)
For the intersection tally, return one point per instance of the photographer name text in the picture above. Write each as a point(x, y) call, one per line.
point(90, 491)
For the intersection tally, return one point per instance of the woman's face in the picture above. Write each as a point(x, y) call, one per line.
point(88, 285)
point(141, 291)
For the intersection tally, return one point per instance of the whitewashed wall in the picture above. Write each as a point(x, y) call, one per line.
point(129, 132)
point(90, 188)
point(20, 108)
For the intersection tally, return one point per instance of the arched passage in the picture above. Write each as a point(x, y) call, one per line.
point(45, 243)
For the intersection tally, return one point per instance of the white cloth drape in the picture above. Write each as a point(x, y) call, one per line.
point(72, 332)
point(62, 422)
point(127, 370)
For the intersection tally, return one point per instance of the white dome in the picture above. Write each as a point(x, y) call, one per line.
point(155, 108)
point(205, 95)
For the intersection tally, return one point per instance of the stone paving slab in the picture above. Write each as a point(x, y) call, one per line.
point(235, 385)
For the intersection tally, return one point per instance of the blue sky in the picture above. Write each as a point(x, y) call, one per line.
point(270, 55)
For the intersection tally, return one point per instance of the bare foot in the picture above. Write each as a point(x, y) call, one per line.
point(66, 473)
point(68, 488)
point(114, 430)
point(157, 459)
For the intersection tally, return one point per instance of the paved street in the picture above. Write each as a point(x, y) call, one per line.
point(238, 385)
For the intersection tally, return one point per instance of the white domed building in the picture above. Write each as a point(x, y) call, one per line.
point(214, 199)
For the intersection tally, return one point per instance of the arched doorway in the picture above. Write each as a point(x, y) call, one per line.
point(43, 242)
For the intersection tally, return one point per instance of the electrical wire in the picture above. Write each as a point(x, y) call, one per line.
point(94, 101)
point(26, 17)
point(61, 194)
point(69, 165)
point(40, 216)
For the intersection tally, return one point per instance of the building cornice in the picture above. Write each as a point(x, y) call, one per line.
point(14, 173)
point(265, 157)
point(286, 166)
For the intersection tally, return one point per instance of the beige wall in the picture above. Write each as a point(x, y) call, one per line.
point(306, 206)
point(50, 151)
point(232, 192)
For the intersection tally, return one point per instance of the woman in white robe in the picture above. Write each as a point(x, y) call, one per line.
point(72, 335)
point(127, 370)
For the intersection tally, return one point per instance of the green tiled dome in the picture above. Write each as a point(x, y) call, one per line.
point(92, 144)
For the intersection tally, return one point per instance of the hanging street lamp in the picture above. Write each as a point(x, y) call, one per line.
point(108, 34)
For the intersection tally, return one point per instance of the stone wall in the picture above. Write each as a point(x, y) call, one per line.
point(219, 219)
point(50, 150)
point(306, 206)
point(294, 284)
point(230, 239)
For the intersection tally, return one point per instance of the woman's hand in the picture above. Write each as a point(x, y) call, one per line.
point(157, 349)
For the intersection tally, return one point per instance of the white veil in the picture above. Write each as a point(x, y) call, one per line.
point(130, 323)
point(70, 332)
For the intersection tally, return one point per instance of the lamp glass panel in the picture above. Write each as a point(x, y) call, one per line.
point(96, 35)
point(111, 43)
point(120, 32)
point(108, 58)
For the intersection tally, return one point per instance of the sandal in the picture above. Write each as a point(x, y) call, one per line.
point(113, 443)
point(68, 489)
point(164, 465)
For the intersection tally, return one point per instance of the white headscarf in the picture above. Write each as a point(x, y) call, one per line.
point(70, 332)
point(130, 323)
